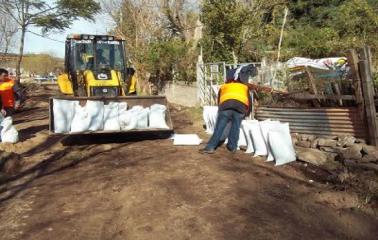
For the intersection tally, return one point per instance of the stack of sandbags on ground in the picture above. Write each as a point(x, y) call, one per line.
point(9, 133)
point(268, 138)
point(271, 139)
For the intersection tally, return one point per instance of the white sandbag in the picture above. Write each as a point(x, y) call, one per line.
point(9, 133)
point(142, 118)
point(186, 139)
point(258, 139)
point(157, 116)
point(242, 142)
point(95, 110)
point(242, 139)
point(210, 114)
point(64, 111)
point(248, 135)
point(128, 120)
point(111, 117)
point(281, 145)
point(81, 121)
point(265, 127)
point(122, 108)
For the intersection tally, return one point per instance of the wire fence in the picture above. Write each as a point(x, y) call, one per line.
point(211, 75)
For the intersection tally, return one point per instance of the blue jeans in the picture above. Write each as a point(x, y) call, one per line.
point(225, 117)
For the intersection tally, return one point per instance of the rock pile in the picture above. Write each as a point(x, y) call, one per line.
point(333, 152)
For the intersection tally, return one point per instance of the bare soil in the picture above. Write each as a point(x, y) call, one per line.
point(150, 189)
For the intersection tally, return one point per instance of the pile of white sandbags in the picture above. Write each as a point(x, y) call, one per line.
point(70, 116)
point(8, 133)
point(270, 139)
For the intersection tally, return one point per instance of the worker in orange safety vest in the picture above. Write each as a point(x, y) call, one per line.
point(8, 96)
point(235, 103)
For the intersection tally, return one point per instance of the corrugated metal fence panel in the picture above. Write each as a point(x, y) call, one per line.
point(318, 121)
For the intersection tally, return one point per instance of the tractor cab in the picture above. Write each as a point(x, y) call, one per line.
point(95, 65)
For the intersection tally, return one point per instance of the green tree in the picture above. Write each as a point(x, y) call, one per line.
point(41, 64)
point(57, 15)
point(224, 22)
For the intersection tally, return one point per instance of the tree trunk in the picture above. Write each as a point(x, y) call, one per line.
point(20, 55)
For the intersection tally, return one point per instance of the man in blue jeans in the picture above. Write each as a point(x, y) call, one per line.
point(235, 104)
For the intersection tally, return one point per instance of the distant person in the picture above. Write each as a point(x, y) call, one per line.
point(100, 58)
point(235, 103)
point(9, 94)
point(132, 83)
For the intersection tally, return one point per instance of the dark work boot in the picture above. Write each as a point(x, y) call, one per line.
point(207, 151)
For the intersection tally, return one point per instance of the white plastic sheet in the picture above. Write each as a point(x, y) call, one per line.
point(64, 111)
point(9, 133)
point(186, 139)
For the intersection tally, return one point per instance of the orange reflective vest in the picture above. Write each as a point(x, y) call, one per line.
point(234, 91)
point(7, 94)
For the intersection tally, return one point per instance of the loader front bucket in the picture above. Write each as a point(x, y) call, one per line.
point(146, 101)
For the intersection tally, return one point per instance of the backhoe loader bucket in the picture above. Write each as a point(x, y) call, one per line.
point(131, 101)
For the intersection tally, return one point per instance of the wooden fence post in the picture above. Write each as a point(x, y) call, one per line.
point(352, 57)
point(368, 94)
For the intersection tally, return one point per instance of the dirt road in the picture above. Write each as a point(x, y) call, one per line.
point(153, 190)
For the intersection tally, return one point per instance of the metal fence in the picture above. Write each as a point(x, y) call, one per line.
point(318, 121)
point(210, 76)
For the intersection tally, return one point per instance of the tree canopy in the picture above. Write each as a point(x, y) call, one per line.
point(251, 29)
point(48, 15)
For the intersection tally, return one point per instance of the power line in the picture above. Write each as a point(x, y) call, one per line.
point(51, 39)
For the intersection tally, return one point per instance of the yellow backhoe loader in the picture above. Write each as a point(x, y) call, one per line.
point(95, 69)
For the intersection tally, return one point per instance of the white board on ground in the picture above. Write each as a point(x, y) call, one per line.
point(186, 140)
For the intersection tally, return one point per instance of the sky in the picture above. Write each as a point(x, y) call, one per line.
point(36, 44)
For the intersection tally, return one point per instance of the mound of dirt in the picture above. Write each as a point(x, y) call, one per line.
point(10, 163)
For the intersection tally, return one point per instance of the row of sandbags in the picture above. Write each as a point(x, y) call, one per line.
point(70, 116)
point(8, 132)
point(263, 138)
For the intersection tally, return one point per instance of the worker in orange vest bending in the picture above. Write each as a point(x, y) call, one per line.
point(235, 103)
point(8, 95)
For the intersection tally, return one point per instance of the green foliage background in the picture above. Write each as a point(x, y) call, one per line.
point(315, 29)
point(244, 31)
